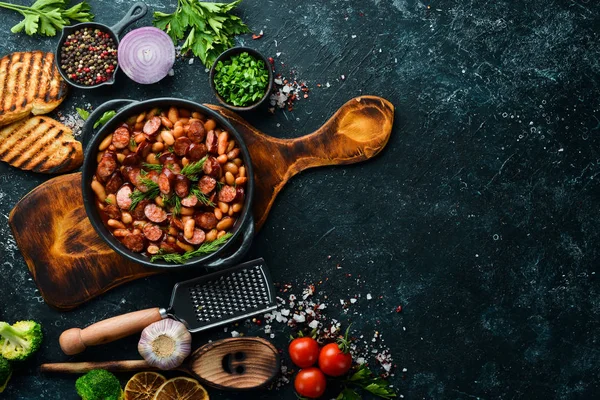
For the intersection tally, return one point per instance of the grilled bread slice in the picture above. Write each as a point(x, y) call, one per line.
point(29, 83)
point(40, 144)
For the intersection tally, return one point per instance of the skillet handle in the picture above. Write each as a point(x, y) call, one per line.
point(87, 131)
point(137, 11)
point(240, 252)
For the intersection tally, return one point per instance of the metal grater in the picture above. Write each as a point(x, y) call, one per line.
point(223, 297)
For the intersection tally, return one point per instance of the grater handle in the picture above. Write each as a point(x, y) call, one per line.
point(75, 340)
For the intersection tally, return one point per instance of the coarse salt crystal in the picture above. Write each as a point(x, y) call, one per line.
point(285, 312)
point(314, 324)
point(191, 61)
point(353, 300)
point(235, 334)
point(353, 36)
point(360, 360)
point(322, 307)
point(299, 318)
point(369, 297)
point(278, 81)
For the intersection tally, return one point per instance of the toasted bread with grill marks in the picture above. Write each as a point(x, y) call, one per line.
point(29, 83)
point(40, 144)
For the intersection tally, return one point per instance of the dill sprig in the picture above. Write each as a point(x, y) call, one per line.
point(137, 195)
point(193, 169)
point(153, 167)
point(173, 201)
point(201, 196)
point(205, 248)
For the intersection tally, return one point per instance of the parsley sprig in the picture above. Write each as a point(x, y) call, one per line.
point(208, 28)
point(137, 195)
point(364, 378)
point(46, 17)
point(205, 248)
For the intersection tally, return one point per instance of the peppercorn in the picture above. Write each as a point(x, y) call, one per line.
point(89, 56)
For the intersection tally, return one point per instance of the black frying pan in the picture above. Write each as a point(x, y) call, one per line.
point(137, 11)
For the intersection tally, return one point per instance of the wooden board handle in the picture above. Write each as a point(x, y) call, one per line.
point(83, 367)
point(74, 341)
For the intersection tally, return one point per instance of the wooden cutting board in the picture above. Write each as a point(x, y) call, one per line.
point(71, 264)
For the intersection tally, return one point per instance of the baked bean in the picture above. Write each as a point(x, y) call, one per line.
point(113, 223)
point(241, 180)
point(230, 212)
point(167, 138)
point(152, 113)
point(140, 118)
point(178, 132)
point(136, 231)
point(171, 239)
point(166, 122)
point(185, 161)
point(151, 159)
point(138, 126)
point(111, 147)
point(224, 207)
point(184, 246)
point(242, 171)
point(238, 162)
point(173, 230)
point(229, 178)
point(196, 115)
point(187, 211)
point(237, 207)
point(99, 190)
point(231, 168)
point(221, 234)
point(173, 115)
point(111, 199)
point(184, 113)
point(159, 201)
point(121, 157)
point(225, 224)
point(223, 142)
point(222, 159)
point(105, 143)
point(185, 120)
point(121, 232)
point(230, 146)
point(157, 147)
point(153, 249)
point(139, 224)
point(188, 230)
point(211, 236)
point(126, 218)
point(139, 138)
point(99, 156)
point(233, 154)
point(210, 124)
point(218, 214)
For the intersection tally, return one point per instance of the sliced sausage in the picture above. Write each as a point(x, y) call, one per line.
point(123, 197)
point(206, 220)
point(153, 176)
point(131, 159)
point(134, 242)
point(107, 166)
point(196, 132)
point(152, 232)
point(114, 183)
point(181, 146)
point(138, 211)
point(113, 211)
point(121, 138)
point(177, 223)
point(143, 149)
point(212, 142)
point(197, 151)
point(212, 167)
point(169, 247)
point(206, 184)
point(227, 194)
point(197, 238)
point(165, 181)
point(189, 201)
point(182, 186)
point(152, 126)
point(155, 214)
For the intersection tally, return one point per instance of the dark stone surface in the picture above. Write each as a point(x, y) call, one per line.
point(480, 217)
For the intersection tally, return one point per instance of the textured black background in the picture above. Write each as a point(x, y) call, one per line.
point(480, 216)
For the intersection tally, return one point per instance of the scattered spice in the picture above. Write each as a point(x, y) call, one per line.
point(89, 56)
point(258, 36)
point(286, 92)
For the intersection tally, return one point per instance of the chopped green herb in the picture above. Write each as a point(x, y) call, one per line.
point(108, 200)
point(201, 196)
point(208, 28)
point(153, 167)
point(84, 114)
point(171, 149)
point(132, 142)
point(174, 202)
point(192, 169)
point(205, 248)
point(105, 118)
point(241, 80)
point(137, 195)
point(143, 173)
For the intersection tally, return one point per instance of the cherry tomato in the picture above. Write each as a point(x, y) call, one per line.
point(304, 352)
point(333, 361)
point(310, 382)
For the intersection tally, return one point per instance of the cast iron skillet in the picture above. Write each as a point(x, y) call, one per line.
point(137, 11)
point(243, 231)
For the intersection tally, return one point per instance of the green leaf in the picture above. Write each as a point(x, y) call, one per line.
point(379, 390)
point(80, 12)
point(83, 113)
point(362, 374)
point(104, 118)
point(348, 394)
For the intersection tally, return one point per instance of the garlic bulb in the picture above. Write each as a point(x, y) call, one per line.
point(165, 344)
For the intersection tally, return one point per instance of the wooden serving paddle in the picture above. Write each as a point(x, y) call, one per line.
point(71, 264)
point(228, 364)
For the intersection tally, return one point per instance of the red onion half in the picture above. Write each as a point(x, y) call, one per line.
point(146, 55)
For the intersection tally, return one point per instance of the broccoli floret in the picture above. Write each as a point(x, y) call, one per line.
point(5, 373)
point(20, 340)
point(99, 384)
